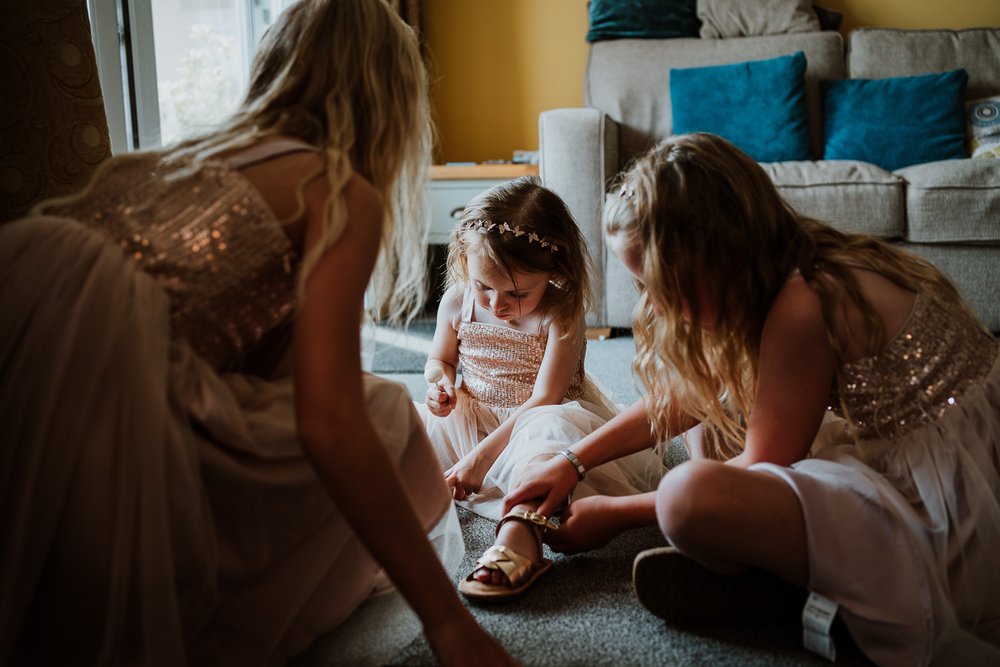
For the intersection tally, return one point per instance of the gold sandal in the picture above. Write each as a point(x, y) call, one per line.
point(521, 573)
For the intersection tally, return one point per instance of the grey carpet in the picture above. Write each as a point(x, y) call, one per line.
point(583, 612)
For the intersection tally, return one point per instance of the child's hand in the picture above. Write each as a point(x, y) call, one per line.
point(466, 477)
point(441, 398)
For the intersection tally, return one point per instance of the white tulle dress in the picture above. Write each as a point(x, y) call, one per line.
point(903, 520)
point(498, 367)
point(157, 506)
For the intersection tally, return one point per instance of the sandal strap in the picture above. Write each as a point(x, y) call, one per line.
point(515, 566)
point(534, 518)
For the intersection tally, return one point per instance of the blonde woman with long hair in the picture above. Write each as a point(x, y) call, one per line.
point(173, 491)
point(848, 408)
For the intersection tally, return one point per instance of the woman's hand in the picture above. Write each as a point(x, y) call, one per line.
point(588, 523)
point(466, 477)
point(550, 482)
point(441, 398)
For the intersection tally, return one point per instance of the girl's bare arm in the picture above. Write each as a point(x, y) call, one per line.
point(795, 372)
point(334, 427)
point(441, 398)
point(444, 346)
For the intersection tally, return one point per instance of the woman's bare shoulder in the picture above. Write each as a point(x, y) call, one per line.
point(800, 308)
point(797, 311)
point(286, 181)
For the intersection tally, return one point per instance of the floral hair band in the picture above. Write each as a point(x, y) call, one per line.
point(484, 226)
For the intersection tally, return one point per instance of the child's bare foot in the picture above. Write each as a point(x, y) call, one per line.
point(514, 562)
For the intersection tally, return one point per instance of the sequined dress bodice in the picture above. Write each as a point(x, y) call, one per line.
point(918, 375)
point(208, 239)
point(500, 364)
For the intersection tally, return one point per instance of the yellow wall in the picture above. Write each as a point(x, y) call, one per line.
point(495, 64)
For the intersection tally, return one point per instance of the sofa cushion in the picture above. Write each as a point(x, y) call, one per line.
point(953, 201)
point(984, 127)
point(851, 196)
point(875, 53)
point(739, 18)
point(629, 79)
point(621, 19)
point(758, 105)
point(974, 269)
point(895, 122)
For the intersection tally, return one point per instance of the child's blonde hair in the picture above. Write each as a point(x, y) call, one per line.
point(519, 225)
point(708, 217)
point(347, 77)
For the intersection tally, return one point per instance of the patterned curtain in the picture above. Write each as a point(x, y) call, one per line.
point(53, 130)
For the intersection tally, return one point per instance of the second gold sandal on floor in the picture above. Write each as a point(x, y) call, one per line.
point(521, 573)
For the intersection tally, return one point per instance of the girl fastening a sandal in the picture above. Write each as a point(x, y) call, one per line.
point(512, 318)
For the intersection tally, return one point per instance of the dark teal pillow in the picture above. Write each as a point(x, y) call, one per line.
point(895, 122)
point(620, 19)
point(758, 105)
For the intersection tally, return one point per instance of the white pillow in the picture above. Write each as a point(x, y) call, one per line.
point(984, 127)
point(745, 18)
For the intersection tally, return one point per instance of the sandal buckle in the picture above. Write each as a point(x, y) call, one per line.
point(533, 517)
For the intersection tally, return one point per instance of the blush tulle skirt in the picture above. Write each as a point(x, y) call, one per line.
point(537, 436)
point(154, 510)
point(905, 534)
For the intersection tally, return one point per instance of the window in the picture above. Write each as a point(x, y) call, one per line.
point(173, 67)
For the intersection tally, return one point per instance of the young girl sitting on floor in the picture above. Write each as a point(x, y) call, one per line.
point(513, 317)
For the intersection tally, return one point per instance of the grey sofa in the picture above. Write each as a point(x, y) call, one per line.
point(947, 212)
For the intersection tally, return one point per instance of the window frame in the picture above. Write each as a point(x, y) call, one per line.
point(123, 36)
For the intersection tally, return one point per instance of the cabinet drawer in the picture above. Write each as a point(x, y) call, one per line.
point(447, 200)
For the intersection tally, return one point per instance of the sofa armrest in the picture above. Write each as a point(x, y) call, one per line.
point(578, 151)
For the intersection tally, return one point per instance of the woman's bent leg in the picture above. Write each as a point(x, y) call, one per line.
point(724, 521)
point(731, 519)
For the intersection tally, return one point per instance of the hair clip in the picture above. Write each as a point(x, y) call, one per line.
point(484, 226)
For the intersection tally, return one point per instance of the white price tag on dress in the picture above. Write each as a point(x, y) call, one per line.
point(817, 619)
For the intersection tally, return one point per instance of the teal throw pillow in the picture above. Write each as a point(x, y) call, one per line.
point(759, 105)
point(895, 122)
point(642, 19)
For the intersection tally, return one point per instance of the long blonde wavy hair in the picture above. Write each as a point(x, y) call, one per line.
point(347, 77)
point(708, 220)
point(527, 206)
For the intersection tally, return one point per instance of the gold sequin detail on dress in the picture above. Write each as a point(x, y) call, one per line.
point(208, 239)
point(500, 364)
point(920, 374)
